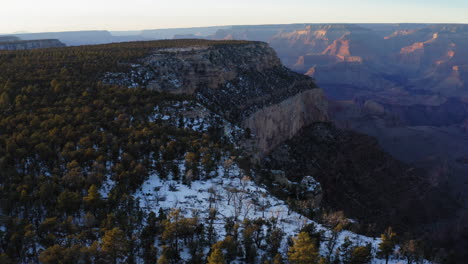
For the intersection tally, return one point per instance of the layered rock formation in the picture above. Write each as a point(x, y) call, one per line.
point(287, 117)
point(244, 81)
point(275, 124)
point(30, 44)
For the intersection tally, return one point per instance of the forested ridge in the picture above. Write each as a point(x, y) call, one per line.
point(74, 150)
point(63, 132)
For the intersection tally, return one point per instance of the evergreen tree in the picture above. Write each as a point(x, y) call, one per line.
point(147, 239)
point(387, 244)
point(93, 199)
point(303, 250)
point(114, 244)
point(163, 259)
point(216, 256)
point(68, 202)
point(411, 250)
point(361, 255)
point(278, 259)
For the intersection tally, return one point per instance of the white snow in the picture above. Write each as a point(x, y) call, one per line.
point(230, 193)
point(233, 195)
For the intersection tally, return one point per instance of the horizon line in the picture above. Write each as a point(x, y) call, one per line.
point(233, 25)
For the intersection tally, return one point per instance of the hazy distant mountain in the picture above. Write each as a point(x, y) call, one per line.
point(76, 38)
point(406, 84)
point(171, 32)
point(29, 44)
point(8, 38)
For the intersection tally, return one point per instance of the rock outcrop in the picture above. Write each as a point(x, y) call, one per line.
point(277, 123)
point(244, 81)
point(286, 115)
point(30, 44)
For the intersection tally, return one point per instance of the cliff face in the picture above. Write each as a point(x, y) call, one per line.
point(184, 70)
point(277, 123)
point(30, 44)
point(245, 82)
point(361, 179)
point(287, 117)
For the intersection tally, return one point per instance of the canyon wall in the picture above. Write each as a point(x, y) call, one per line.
point(244, 81)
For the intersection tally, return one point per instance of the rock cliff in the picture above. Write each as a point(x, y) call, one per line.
point(286, 116)
point(361, 179)
point(244, 81)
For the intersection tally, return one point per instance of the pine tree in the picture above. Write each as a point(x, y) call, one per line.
point(360, 255)
point(114, 243)
point(216, 257)
point(387, 244)
point(68, 201)
point(93, 198)
point(148, 237)
point(411, 250)
point(303, 250)
point(53, 254)
point(278, 259)
point(4, 99)
point(163, 259)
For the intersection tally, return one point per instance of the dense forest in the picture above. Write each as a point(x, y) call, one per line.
point(74, 150)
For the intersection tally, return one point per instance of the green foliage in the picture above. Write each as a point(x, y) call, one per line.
point(412, 250)
point(303, 250)
point(387, 244)
point(361, 255)
point(68, 202)
point(216, 256)
point(64, 134)
point(114, 243)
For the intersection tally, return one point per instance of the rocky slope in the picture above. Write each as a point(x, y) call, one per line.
point(353, 171)
point(245, 82)
point(286, 121)
point(30, 44)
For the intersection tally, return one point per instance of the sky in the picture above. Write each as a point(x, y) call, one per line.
point(69, 15)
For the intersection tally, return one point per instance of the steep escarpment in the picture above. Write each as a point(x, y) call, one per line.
point(274, 124)
point(30, 44)
point(286, 117)
point(245, 82)
point(361, 179)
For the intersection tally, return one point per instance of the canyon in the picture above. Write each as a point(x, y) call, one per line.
point(289, 129)
point(386, 129)
point(383, 78)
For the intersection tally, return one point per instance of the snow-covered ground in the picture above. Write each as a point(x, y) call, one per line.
point(230, 193)
point(235, 196)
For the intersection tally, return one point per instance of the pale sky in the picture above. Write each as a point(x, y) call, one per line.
point(65, 15)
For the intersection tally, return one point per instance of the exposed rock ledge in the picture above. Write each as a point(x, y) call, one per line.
point(245, 82)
